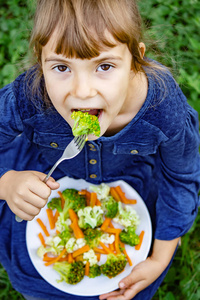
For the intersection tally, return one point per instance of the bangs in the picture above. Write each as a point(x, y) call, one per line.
point(80, 27)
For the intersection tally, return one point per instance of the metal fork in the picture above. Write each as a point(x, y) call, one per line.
point(72, 150)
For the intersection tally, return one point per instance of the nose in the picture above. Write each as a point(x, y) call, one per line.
point(83, 87)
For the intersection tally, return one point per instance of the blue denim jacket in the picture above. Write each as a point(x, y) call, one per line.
point(156, 153)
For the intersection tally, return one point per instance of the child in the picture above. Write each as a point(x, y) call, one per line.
point(90, 57)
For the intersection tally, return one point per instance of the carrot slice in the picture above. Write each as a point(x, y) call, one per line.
point(113, 230)
point(112, 247)
point(56, 258)
point(87, 268)
point(50, 218)
point(81, 250)
point(48, 258)
point(82, 192)
point(117, 243)
point(56, 216)
point(100, 251)
point(141, 236)
point(62, 199)
point(98, 202)
point(98, 255)
point(114, 194)
point(70, 258)
point(123, 197)
point(43, 226)
point(126, 254)
point(93, 199)
point(79, 258)
point(73, 216)
point(105, 224)
point(77, 230)
point(41, 239)
point(107, 250)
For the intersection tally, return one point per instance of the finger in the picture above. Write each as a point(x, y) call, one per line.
point(111, 294)
point(24, 215)
point(135, 276)
point(133, 290)
point(52, 184)
point(30, 199)
point(40, 189)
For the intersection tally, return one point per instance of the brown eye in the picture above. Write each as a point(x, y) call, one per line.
point(62, 68)
point(104, 68)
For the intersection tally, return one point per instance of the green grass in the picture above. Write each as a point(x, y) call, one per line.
point(175, 26)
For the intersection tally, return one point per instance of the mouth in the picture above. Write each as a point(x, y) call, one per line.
point(92, 111)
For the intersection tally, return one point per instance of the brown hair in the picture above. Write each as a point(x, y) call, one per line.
point(81, 25)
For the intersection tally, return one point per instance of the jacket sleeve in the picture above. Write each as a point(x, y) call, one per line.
point(179, 182)
point(10, 123)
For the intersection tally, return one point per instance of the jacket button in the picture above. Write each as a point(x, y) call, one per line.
point(92, 161)
point(134, 152)
point(54, 145)
point(92, 147)
point(93, 176)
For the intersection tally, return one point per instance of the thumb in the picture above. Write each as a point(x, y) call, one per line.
point(127, 281)
point(52, 184)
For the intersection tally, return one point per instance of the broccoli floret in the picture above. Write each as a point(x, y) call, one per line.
point(94, 271)
point(55, 203)
point(128, 236)
point(70, 273)
point(84, 123)
point(72, 200)
point(92, 237)
point(110, 207)
point(65, 236)
point(90, 217)
point(101, 190)
point(114, 265)
point(127, 216)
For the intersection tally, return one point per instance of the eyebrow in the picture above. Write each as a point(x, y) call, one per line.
point(96, 60)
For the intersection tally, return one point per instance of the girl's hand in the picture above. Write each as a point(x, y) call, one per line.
point(145, 272)
point(25, 192)
point(141, 276)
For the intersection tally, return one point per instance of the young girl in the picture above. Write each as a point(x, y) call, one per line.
point(90, 57)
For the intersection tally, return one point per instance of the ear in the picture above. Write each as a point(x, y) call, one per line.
point(142, 49)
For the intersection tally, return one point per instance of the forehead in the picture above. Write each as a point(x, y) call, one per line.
point(51, 46)
point(118, 53)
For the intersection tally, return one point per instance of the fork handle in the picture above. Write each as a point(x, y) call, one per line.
point(52, 170)
point(18, 219)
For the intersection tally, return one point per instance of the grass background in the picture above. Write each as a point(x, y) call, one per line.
point(173, 39)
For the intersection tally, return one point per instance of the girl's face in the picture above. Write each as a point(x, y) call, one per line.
point(100, 85)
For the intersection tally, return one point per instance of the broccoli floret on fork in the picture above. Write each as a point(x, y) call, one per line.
point(85, 123)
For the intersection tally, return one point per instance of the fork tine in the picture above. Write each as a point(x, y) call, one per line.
point(76, 139)
point(81, 142)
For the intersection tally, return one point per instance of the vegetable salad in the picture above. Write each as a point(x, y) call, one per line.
point(85, 228)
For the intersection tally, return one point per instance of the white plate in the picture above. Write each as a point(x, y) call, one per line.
point(101, 284)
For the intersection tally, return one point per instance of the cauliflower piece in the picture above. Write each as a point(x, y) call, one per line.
point(61, 225)
point(106, 238)
point(41, 251)
point(127, 216)
point(101, 190)
point(74, 244)
point(91, 257)
point(90, 217)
